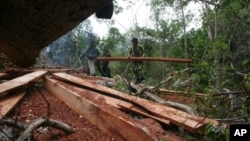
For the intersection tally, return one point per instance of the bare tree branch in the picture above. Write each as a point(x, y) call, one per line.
point(157, 99)
point(45, 122)
point(208, 2)
point(239, 73)
point(12, 123)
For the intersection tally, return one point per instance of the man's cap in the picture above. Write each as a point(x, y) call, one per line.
point(135, 40)
point(105, 49)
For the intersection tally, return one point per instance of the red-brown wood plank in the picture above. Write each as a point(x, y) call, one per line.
point(159, 59)
point(116, 126)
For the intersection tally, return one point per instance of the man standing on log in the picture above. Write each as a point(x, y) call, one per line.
point(137, 51)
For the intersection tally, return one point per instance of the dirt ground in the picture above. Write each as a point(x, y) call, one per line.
point(40, 103)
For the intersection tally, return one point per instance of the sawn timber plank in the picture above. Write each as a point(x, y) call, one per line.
point(20, 81)
point(2, 75)
point(117, 103)
point(7, 103)
point(116, 126)
point(158, 59)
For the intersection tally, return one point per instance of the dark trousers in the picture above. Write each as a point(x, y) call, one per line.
point(137, 69)
point(106, 71)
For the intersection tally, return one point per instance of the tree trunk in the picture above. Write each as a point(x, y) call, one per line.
point(212, 35)
point(184, 30)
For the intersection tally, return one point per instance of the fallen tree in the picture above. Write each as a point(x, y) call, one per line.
point(157, 99)
point(145, 90)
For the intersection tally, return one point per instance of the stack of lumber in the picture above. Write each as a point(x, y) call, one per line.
point(11, 92)
point(167, 114)
point(74, 92)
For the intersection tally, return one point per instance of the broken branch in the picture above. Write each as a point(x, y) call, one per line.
point(45, 122)
point(157, 99)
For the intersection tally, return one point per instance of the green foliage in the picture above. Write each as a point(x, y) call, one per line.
point(216, 133)
point(247, 82)
point(246, 64)
point(120, 85)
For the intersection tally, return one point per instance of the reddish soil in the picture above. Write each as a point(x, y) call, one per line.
point(34, 106)
point(40, 103)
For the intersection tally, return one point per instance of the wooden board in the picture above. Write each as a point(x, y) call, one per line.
point(84, 76)
point(166, 91)
point(177, 117)
point(2, 75)
point(117, 103)
point(116, 126)
point(53, 70)
point(7, 103)
point(158, 59)
point(20, 81)
point(137, 110)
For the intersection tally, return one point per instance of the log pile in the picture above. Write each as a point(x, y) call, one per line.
point(96, 102)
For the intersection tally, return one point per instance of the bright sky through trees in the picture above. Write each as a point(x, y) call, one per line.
point(139, 12)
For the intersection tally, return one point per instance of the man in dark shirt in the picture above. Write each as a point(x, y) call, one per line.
point(137, 51)
point(105, 64)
